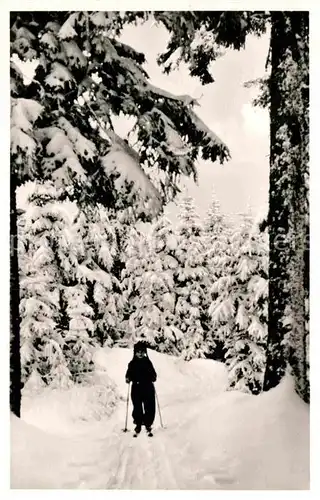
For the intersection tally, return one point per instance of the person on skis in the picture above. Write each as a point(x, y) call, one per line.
point(142, 375)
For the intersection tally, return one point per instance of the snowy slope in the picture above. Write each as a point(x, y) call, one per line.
point(38, 459)
point(213, 439)
point(262, 441)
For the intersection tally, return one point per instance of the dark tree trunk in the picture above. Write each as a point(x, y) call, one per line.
point(288, 198)
point(15, 362)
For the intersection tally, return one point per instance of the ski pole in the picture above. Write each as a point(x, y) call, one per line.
point(158, 407)
point(127, 407)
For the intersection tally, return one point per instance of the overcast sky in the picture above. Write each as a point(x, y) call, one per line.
point(225, 106)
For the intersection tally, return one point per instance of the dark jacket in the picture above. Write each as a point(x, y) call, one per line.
point(141, 371)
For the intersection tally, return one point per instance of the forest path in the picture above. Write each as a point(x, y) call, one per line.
point(112, 459)
point(213, 438)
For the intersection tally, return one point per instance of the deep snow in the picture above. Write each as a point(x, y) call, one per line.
point(213, 439)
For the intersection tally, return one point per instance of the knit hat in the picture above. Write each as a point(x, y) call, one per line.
point(140, 347)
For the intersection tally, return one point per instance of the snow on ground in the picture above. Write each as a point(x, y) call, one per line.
point(63, 411)
point(38, 459)
point(261, 442)
point(213, 439)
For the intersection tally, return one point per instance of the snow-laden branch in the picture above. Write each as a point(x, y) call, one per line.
point(185, 99)
point(202, 126)
point(126, 161)
point(189, 102)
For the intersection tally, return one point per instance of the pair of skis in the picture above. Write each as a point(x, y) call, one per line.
point(136, 434)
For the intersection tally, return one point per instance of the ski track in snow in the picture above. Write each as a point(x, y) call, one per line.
point(102, 456)
point(116, 460)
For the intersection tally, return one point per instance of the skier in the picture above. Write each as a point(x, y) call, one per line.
point(142, 375)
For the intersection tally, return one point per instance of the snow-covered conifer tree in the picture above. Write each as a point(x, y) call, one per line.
point(39, 300)
point(217, 249)
point(165, 264)
point(98, 251)
point(214, 224)
point(239, 307)
point(79, 337)
point(137, 301)
point(191, 282)
point(49, 279)
point(148, 282)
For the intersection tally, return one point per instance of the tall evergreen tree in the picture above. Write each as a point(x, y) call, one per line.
point(289, 184)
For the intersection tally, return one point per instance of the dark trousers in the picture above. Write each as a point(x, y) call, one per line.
point(144, 404)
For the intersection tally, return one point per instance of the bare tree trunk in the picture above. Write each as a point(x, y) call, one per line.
point(288, 198)
point(15, 362)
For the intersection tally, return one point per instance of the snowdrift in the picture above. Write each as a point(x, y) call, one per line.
point(38, 460)
point(263, 441)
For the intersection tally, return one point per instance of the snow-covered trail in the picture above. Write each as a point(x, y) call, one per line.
point(213, 438)
point(115, 460)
